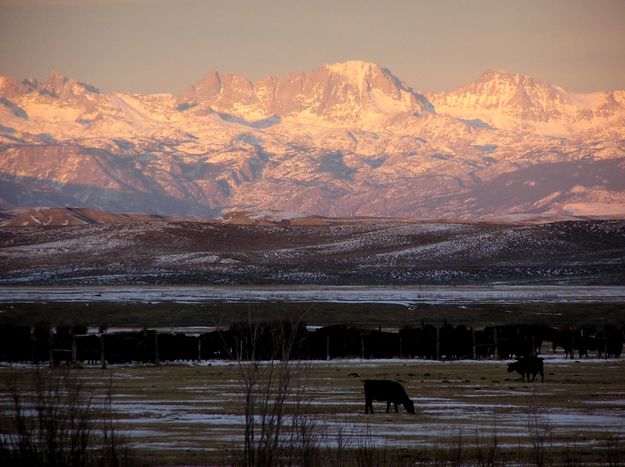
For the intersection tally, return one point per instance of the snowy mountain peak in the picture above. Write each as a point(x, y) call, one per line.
point(367, 76)
point(56, 81)
point(513, 89)
point(205, 88)
point(498, 74)
point(340, 93)
point(357, 71)
point(510, 100)
point(346, 139)
point(519, 89)
point(58, 85)
point(10, 87)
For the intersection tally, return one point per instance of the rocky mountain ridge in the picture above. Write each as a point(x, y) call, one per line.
point(347, 139)
point(344, 94)
point(509, 100)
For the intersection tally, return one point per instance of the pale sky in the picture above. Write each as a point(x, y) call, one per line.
point(165, 45)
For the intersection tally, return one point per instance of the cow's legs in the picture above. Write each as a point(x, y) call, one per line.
point(396, 410)
point(368, 406)
point(388, 406)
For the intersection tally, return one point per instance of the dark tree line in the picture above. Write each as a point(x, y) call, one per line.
point(288, 340)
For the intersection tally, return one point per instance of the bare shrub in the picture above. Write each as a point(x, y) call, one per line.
point(458, 452)
point(539, 432)
point(483, 451)
point(569, 455)
point(336, 455)
point(487, 451)
point(354, 446)
point(368, 452)
point(614, 451)
point(277, 429)
point(56, 420)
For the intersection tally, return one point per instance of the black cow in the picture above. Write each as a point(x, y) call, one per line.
point(526, 366)
point(389, 391)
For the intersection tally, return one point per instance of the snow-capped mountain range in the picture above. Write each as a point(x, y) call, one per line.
point(348, 139)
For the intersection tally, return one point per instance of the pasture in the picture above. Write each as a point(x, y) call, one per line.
point(193, 413)
point(467, 412)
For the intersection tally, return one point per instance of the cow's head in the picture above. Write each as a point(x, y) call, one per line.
point(512, 367)
point(409, 405)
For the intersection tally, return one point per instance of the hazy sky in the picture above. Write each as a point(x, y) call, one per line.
point(165, 45)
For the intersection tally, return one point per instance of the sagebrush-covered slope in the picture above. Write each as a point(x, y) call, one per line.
point(328, 252)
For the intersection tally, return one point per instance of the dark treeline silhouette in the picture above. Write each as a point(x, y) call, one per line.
point(605, 341)
point(288, 340)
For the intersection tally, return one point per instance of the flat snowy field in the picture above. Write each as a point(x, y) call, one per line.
point(174, 412)
point(398, 295)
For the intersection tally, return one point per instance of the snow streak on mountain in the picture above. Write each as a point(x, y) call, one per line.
point(348, 139)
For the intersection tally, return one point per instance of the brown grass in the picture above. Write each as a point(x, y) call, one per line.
point(470, 412)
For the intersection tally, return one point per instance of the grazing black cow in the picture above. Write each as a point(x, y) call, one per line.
point(526, 366)
point(389, 391)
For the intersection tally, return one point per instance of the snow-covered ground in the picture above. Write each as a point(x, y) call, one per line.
point(401, 253)
point(400, 295)
point(173, 408)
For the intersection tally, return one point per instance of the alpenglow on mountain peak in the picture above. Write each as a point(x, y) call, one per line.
point(507, 100)
point(358, 71)
point(342, 92)
point(344, 139)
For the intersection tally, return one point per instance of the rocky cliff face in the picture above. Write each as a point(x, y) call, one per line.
point(343, 94)
point(512, 101)
point(348, 139)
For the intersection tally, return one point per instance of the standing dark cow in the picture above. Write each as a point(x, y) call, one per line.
point(389, 391)
point(526, 366)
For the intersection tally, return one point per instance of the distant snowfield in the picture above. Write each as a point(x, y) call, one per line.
point(595, 209)
point(397, 295)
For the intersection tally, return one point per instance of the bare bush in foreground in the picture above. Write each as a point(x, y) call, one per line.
point(277, 430)
point(55, 419)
